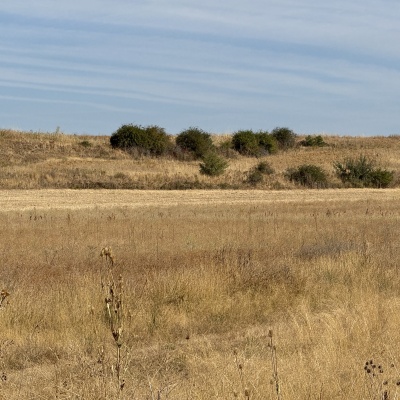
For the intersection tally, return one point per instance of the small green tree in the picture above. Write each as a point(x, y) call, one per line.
point(248, 143)
point(267, 143)
point(150, 139)
point(311, 176)
point(285, 137)
point(213, 165)
point(313, 141)
point(196, 141)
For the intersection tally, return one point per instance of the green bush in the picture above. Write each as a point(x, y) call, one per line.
point(213, 165)
point(248, 143)
point(361, 172)
point(310, 176)
point(149, 140)
point(226, 149)
point(85, 143)
point(313, 141)
point(285, 137)
point(264, 168)
point(381, 178)
point(195, 141)
point(255, 177)
point(267, 142)
point(256, 174)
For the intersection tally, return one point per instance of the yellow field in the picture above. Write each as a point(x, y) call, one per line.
point(205, 276)
point(108, 199)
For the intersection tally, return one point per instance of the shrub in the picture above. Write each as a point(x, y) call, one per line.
point(85, 143)
point(255, 177)
point(265, 168)
point(285, 137)
point(150, 139)
point(361, 172)
point(311, 176)
point(313, 141)
point(213, 165)
point(267, 142)
point(381, 178)
point(226, 149)
point(248, 143)
point(256, 174)
point(196, 141)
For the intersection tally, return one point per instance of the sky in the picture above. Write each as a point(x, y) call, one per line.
point(90, 66)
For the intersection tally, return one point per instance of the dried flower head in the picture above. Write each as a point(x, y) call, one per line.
point(108, 254)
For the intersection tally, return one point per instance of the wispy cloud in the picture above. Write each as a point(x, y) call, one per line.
point(219, 65)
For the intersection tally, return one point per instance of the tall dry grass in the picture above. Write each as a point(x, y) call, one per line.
point(44, 160)
point(203, 287)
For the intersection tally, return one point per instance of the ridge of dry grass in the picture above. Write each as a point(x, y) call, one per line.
point(45, 160)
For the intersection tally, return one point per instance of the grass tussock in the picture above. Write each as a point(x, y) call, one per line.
point(284, 300)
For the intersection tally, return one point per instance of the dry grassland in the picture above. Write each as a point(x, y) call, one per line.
point(37, 161)
point(205, 277)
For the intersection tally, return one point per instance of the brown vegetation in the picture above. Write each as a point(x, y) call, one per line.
point(206, 287)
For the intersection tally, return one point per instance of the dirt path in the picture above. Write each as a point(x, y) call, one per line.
point(80, 199)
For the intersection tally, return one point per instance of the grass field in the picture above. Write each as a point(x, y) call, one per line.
point(206, 276)
point(57, 161)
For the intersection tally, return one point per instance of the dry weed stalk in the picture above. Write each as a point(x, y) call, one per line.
point(3, 295)
point(274, 361)
point(245, 391)
point(113, 300)
point(3, 348)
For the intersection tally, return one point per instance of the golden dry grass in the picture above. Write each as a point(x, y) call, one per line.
point(39, 160)
point(206, 276)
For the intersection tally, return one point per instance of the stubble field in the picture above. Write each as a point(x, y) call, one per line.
point(208, 280)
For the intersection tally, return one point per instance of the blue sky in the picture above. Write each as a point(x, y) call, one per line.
point(89, 66)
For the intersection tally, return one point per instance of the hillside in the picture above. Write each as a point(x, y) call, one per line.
point(44, 160)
